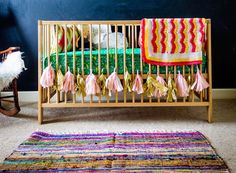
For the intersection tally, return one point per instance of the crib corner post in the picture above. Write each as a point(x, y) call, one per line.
point(209, 55)
point(40, 114)
point(209, 113)
point(40, 109)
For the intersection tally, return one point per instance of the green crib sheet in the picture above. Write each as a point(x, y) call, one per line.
point(112, 52)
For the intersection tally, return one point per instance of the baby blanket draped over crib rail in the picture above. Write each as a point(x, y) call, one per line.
point(178, 41)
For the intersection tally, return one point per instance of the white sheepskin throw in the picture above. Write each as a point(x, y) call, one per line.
point(10, 68)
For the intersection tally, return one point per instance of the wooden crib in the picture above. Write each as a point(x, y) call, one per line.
point(51, 98)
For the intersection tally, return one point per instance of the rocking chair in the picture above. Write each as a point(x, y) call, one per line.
point(10, 111)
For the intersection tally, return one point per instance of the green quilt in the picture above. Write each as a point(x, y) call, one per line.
point(112, 53)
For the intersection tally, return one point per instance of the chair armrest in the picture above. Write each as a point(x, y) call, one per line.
point(9, 50)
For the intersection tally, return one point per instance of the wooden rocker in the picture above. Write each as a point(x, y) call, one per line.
point(13, 87)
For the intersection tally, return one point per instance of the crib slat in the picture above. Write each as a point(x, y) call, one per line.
point(57, 62)
point(124, 56)
point(48, 51)
point(158, 71)
point(116, 66)
point(66, 60)
point(91, 56)
point(41, 32)
point(167, 78)
point(82, 56)
point(192, 76)
point(129, 42)
point(133, 96)
point(184, 98)
point(150, 71)
point(135, 33)
point(40, 56)
point(44, 55)
point(141, 71)
point(209, 70)
point(201, 93)
point(108, 64)
point(99, 49)
point(175, 77)
point(74, 61)
point(99, 56)
point(44, 43)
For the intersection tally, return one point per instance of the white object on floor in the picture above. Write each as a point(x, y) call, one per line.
point(10, 68)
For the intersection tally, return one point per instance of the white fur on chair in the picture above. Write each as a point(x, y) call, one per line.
point(10, 68)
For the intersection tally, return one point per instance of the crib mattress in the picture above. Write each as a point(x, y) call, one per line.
point(112, 54)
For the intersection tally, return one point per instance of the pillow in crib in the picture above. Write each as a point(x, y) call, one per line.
point(95, 34)
point(61, 38)
point(103, 32)
point(86, 33)
point(112, 40)
point(85, 30)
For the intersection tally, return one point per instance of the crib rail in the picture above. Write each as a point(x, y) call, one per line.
point(49, 97)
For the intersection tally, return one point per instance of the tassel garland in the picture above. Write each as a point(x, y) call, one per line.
point(138, 84)
point(181, 85)
point(69, 82)
point(200, 82)
point(171, 95)
point(151, 85)
point(113, 83)
point(80, 86)
point(189, 81)
point(91, 85)
point(47, 77)
point(127, 81)
point(157, 93)
point(60, 79)
point(102, 83)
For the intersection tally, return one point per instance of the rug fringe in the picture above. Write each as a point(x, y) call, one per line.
point(115, 131)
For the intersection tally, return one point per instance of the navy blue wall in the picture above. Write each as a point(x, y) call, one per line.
point(18, 26)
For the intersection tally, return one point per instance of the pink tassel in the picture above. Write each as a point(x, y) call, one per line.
point(181, 85)
point(91, 85)
point(138, 84)
point(113, 83)
point(157, 92)
point(47, 77)
point(69, 82)
point(200, 82)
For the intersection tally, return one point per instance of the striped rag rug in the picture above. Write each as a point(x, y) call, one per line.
point(115, 152)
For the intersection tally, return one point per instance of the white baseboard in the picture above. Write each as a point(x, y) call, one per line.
point(32, 96)
point(229, 93)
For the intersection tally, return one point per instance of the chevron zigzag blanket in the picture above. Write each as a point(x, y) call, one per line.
point(178, 41)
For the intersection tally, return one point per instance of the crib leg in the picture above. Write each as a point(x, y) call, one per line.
point(209, 112)
point(40, 114)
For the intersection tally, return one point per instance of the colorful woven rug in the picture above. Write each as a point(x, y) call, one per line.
point(115, 152)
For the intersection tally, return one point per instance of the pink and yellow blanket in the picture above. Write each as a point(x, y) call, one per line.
point(177, 41)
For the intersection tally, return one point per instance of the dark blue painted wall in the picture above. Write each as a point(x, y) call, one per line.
point(18, 26)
